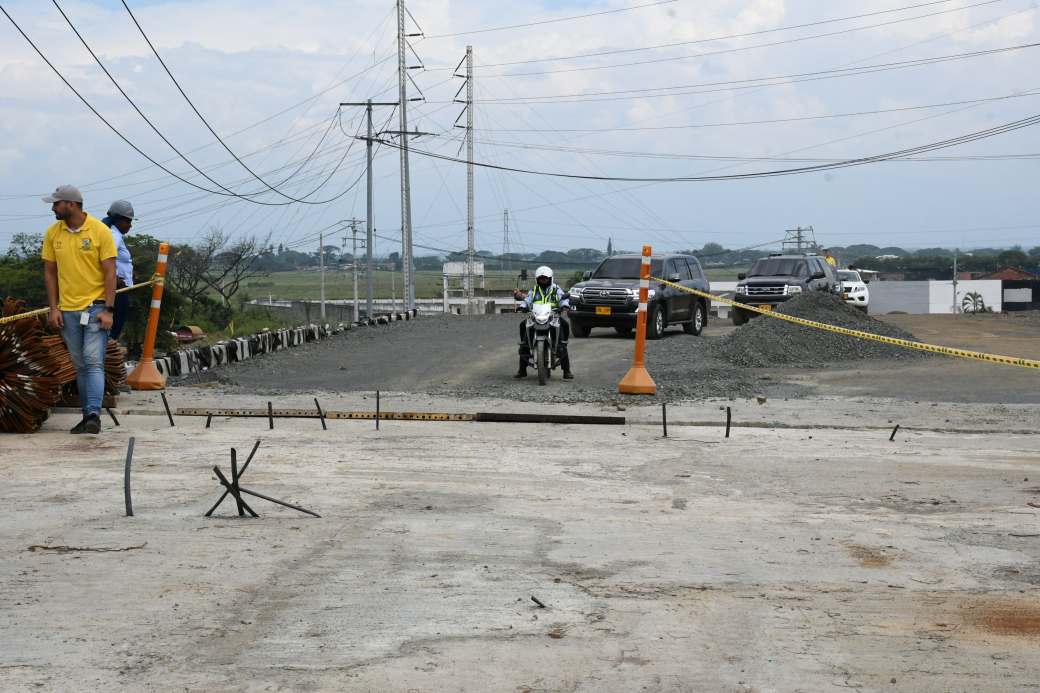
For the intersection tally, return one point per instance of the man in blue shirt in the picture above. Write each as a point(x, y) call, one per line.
point(120, 218)
point(545, 291)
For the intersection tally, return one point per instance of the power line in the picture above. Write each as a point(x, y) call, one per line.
point(139, 150)
point(551, 21)
point(971, 137)
point(748, 48)
point(204, 121)
point(755, 82)
point(764, 122)
point(724, 38)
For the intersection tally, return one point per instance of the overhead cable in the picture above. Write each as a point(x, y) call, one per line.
point(755, 82)
point(717, 38)
point(749, 48)
point(552, 21)
point(204, 121)
point(971, 137)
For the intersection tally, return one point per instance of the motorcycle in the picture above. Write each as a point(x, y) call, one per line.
point(543, 340)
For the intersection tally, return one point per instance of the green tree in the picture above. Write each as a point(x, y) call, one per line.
point(25, 246)
point(1013, 258)
point(712, 248)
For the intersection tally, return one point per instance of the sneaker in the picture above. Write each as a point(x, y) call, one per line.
point(81, 427)
point(567, 375)
point(522, 373)
point(92, 423)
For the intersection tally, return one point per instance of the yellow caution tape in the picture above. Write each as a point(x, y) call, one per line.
point(41, 311)
point(1027, 363)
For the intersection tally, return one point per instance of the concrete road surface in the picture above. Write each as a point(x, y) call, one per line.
point(780, 559)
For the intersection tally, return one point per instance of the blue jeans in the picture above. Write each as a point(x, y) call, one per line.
point(87, 346)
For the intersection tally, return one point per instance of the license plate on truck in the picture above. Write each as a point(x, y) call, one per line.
point(766, 307)
point(602, 310)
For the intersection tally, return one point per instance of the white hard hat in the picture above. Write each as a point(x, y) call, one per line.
point(543, 271)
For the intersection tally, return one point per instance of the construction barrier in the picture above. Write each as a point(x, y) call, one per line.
point(638, 380)
point(146, 376)
point(949, 351)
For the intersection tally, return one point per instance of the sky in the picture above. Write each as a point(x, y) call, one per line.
point(631, 89)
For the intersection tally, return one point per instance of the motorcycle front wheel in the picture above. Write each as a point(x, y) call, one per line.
point(540, 358)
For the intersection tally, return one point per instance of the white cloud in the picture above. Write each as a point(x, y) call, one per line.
point(242, 61)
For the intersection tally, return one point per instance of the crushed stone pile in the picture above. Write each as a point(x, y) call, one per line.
point(766, 342)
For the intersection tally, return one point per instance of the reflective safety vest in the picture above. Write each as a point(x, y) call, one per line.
point(550, 295)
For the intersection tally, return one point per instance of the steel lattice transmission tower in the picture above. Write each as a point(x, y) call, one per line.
point(800, 240)
point(406, 200)
point(470, 308)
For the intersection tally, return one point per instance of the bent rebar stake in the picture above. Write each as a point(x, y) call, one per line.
point(232, 487)
point(244, 467)
point(166, 404)
point(126, 478)
point(321, 415)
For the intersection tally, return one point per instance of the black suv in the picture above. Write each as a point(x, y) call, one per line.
point(782, 276)
point(609, 296)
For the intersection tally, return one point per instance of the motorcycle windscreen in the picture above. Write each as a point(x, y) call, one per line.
point(541, 312)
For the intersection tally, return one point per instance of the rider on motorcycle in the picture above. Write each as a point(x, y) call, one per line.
point(545, 291)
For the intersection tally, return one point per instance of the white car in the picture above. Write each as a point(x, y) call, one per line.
point(854, 289)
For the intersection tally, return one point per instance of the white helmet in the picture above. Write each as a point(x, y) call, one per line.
point(543, 271)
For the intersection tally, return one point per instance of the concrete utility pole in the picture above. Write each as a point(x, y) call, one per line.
point(505, 238)
point(321, 267)
point(470, 274)
point(393, 291)
point(370, 267)
point(406, 200)
point(955, 279)
point(353, 262)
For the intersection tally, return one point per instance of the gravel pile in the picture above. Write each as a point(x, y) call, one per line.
point(766, 342)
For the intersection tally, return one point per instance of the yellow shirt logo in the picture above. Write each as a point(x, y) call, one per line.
point(86, 244)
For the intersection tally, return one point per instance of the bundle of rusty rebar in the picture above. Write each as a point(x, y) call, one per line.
point(36, 371)
point(30, 368)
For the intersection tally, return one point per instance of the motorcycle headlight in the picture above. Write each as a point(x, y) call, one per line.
point(742, 290)
point(541, 319)
point(791, 289)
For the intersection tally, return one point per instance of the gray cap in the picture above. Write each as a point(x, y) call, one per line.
point(121, 208)
point(65, 192)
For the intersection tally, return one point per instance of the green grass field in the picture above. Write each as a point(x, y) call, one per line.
point(339, 283)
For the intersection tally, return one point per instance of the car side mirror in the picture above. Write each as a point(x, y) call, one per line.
point(676, 277)
point(866, 281)
point(586, 276)
point(741, 277)
point(818, 274)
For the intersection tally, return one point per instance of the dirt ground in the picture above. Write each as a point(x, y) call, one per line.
point(805, 552)
point(464, 356)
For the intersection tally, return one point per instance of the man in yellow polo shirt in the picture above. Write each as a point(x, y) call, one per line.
point(80, 272)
